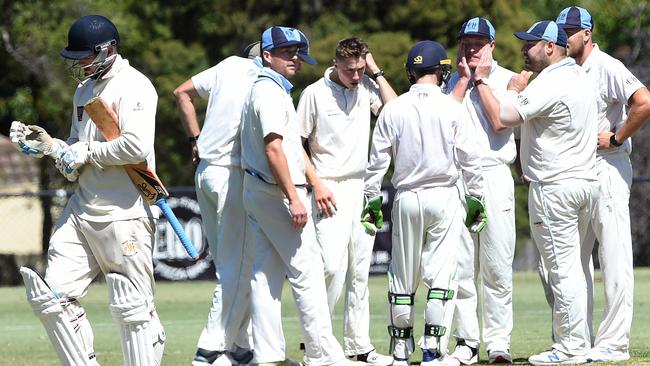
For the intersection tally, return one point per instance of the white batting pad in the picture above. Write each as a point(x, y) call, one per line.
point(132, 313)
point(72, 347)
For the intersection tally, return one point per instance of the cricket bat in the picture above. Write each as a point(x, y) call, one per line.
point(144, 178)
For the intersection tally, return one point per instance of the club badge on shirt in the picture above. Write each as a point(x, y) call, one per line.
point(129, 248)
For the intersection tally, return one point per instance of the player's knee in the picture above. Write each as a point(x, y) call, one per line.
point(401, 308)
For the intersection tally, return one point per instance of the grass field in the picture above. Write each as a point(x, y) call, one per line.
point(183, 307)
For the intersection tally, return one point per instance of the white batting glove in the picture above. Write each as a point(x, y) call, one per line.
point(18, 136)
point(74, 156)
point(71, 176)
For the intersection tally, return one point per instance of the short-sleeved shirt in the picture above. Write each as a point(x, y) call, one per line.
point(336, 121)
point(496, 147)
point(226, 86)
point(558, 136)
point(422, 132)
point(615, 86)
point(107, 194)
point(269, 109)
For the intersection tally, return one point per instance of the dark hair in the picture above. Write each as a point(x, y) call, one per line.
point(351, 47)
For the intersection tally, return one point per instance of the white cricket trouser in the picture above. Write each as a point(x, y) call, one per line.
point(347, 252)
point(496, 248)
point(219, 193)
point(559, 215)
point(427, 225)
point(282, 251)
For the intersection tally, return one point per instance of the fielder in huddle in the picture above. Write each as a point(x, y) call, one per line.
point(106, 227)
point(616, 88)
point(558, 158)
point(422, 132)
point(481, 83)
point(333, 114)
point(219, 180)
point(278, 210)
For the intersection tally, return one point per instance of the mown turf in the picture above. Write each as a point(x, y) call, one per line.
point(183, 307)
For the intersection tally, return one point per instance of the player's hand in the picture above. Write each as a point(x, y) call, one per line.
point(484, 64)
point(371, 65)
point(325, 201)
point(195, 154)
point(18, 134)
point(70, 176)
point(298, 214)
point(476, 218)
point(603, 140)
point(519, 82)
point(371, 217)
point(74, 156)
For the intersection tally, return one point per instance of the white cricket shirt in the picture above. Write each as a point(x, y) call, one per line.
point(422, 131)
point(497, 148)
point(226, 87)
point(615, 85)
point(108, 194)
point(269, 109)
point(558, 136)
point(336, 121)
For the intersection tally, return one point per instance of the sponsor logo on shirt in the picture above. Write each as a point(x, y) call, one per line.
point(522, 100)
point(129, 248)
point(138, 107)
point(631, 80)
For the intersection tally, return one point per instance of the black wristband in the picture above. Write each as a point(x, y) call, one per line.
point(479, 82)
point(613, 142)
point(193, 138)
point(377, 74)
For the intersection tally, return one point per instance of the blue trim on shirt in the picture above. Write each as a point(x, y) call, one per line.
point(276, 77)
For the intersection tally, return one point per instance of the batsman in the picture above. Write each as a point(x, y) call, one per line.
point(106, 227)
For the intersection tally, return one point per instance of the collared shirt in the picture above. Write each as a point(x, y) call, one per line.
point(558, 136)
point(108, 194)
point(422, 131)
point(269, 109)
point(336, 121)
point(496, 147)
point(615, 85)
point(226, 86)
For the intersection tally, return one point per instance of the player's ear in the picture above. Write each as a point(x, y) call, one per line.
point(266, 56)
point(334, 62)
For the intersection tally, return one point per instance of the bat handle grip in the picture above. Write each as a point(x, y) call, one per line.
point(178, 229)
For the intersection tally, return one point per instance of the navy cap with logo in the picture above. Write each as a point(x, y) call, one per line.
point(427, 55)
point(478, 27)
point(278, 36)
point(546, 30)
point(575, 17)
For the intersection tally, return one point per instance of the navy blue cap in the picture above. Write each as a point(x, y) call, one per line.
point(276, 37)
point(427, 55)
point(478, 27)
point(86, 35)
point(545, 30)
point(575, 17)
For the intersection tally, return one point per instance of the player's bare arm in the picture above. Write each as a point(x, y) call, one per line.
point(280, 169)
point(489, 102)
point(322, 195)
point(385, 90)
point(639, 113)
point(185, 95)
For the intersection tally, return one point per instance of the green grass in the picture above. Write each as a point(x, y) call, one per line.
point(183, 307)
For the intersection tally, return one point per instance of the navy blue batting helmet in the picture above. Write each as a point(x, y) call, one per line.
point(87, 36)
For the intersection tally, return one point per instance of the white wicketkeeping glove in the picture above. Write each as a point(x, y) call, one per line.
point(74, 156)
point(34, 140)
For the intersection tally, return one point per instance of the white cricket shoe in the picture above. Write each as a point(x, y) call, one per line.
point(373, 358)
point(463, 355)
point(498, 356)
point(555, 357)
point(606, 354)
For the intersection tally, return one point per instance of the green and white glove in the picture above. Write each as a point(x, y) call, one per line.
point(476, 216)
point(371, 216)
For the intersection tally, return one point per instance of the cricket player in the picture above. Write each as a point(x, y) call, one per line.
point(106, 227)
point(333, 114)
point(219, 180)
point(422, 132)
point(610, 224)
point(278, 210)
point(481, 83)
point(558, 157)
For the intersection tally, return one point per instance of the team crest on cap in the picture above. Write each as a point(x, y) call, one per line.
point(417, 60)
